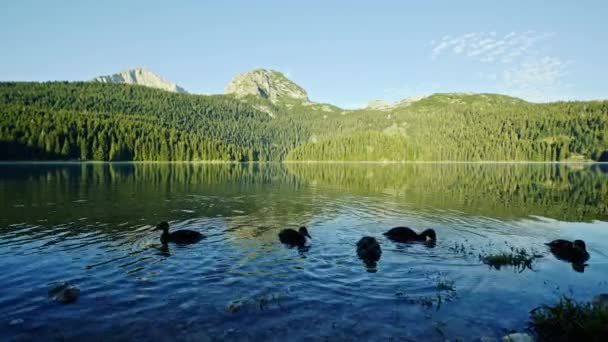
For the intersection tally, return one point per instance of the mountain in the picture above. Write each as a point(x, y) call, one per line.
point(268, 84)
point(265, 116)
point(380, 105)
point(141, 76)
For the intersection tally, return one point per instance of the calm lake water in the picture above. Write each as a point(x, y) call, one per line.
point(90, 224)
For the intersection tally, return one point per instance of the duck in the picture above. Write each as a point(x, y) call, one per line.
point(368, 249)
point(294, 237)
point(405, 234)
point(571, 251)
point(183, 237)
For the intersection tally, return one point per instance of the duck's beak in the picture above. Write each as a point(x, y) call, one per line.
point(310, 237)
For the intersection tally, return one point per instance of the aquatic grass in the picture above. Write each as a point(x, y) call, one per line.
point(262, 303)
point(460, 248)
point(518, 258)
point(424, 301)
point(445, 292)
point(445, 285)
point(570, 321)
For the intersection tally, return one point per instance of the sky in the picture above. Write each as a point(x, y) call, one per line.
point(342, 52)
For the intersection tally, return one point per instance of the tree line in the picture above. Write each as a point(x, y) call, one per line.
point(114, 122)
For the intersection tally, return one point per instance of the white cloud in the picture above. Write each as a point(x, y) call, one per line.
point(535, 78)
point(488, 46)
point(514, 62)
point(487, 76)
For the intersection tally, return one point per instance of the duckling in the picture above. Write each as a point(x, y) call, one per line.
point(292, 237)
point(574, 252)
point(405, 234)
point(368, 249)
point(182, 237)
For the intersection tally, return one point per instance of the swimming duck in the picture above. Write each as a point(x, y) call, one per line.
point(180, 236)
point(294, 238)
point(405, 234)
point(368, 249)
point(574, 252)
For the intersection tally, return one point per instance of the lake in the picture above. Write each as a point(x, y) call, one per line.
point(91, 225)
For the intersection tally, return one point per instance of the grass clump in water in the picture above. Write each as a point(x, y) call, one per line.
point(445, 285)
point(520, 259)
point(570, 321)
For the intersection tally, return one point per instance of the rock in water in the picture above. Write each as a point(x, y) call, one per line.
point(518, 337)
point(64, 293)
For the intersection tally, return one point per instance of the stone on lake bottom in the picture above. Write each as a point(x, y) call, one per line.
point(64, 293)
point(16, 321)
point(518, 337)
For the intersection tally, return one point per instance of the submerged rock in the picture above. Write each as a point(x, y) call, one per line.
point(487, 339)
point(16, 321)
point(518, 337)
point(234, 307)
point(64, 293)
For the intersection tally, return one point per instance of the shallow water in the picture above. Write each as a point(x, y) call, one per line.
point(90, 224)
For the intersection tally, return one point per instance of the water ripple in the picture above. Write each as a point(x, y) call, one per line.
point(241, 283)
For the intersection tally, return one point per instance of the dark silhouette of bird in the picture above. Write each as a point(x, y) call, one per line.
point(368, 250)
point(182, 237)
point(405, 234)
point(570, 251)
point(293, 238)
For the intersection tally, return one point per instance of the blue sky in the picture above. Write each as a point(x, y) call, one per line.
point(342, 52)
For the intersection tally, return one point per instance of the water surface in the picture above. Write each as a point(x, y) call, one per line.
point(90, 224)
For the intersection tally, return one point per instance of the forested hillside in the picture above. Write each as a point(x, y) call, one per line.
point(474, 127)
point(94, 121)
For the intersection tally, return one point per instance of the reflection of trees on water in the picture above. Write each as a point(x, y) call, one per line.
point(574, 193)
point(126, 194)
point(260, 196)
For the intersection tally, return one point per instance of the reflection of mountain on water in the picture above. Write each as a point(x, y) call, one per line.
point(566, 192)
point(259, 197)
point(115, 193)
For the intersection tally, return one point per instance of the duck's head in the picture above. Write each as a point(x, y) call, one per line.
point(164, 226)
point(304, 232)
point(580, 245)
point(429, 234)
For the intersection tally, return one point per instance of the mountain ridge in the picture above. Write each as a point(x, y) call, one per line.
point(140, 76)
point(274, 86)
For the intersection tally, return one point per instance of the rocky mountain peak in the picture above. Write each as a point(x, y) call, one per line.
point(269, 84)
point(141, 76)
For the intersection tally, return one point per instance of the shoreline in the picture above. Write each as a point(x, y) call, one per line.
point(50, 162)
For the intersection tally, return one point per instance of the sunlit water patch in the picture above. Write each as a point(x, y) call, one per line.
point(91, 225)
